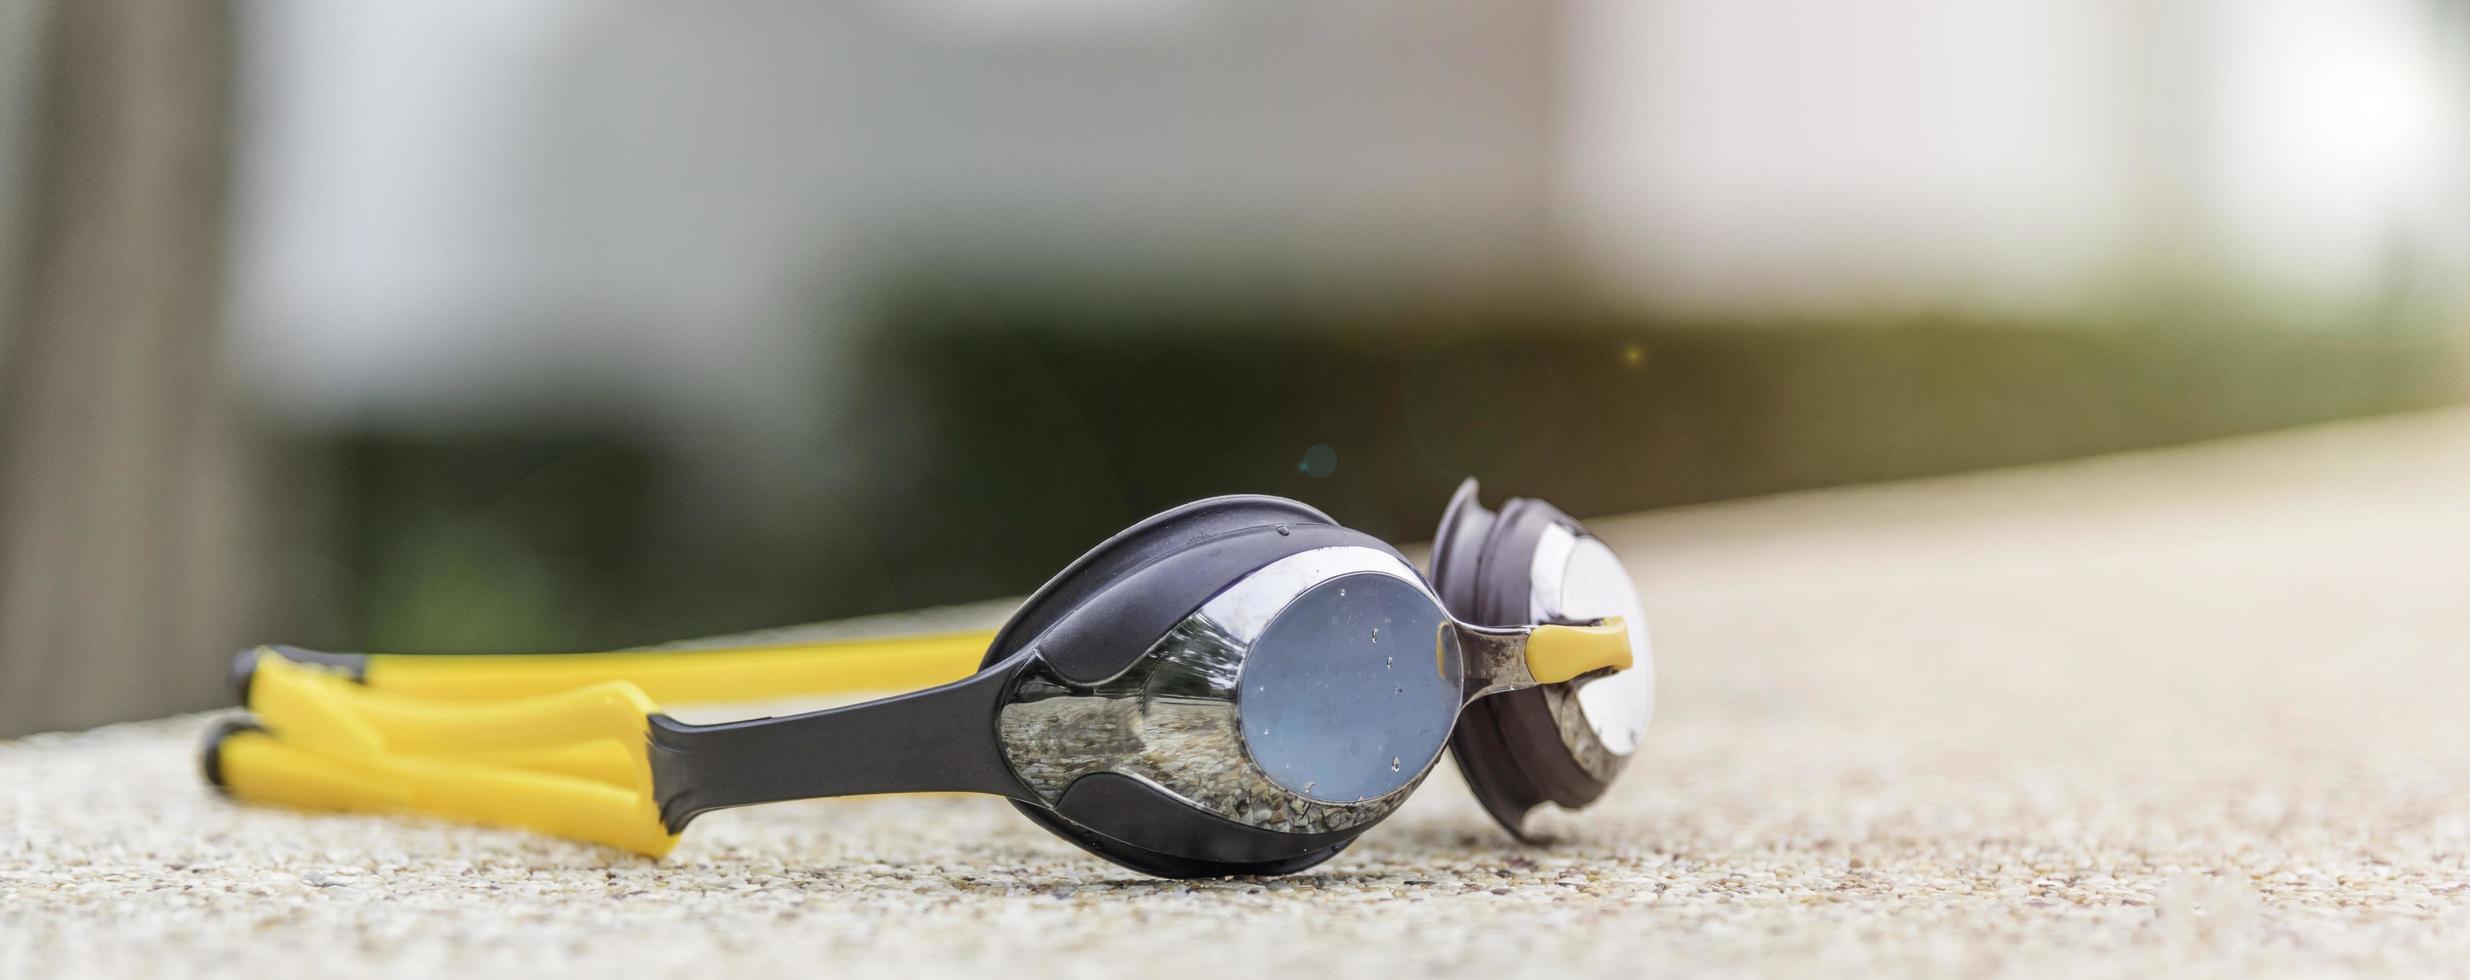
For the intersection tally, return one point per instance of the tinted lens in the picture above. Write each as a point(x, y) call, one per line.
point(1594, 585)
point(1350, 692)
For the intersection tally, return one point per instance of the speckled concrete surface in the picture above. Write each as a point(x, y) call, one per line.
point(2200, 711)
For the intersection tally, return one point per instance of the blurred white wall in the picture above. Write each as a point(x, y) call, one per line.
point(2014, 154)
point(651, 210)
point(442, 204)
point(2336, 145)
point(1815, 154)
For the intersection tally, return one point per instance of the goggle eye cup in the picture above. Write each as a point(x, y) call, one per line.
point(1579, 578)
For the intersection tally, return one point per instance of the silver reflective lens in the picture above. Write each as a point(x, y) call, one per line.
point(1351, 691)
point(1578, 579)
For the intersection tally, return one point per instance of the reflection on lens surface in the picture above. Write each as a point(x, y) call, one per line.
point(1350, 692)
point(1594, 585)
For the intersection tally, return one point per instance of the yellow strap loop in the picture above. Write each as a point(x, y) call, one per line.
point(320, 708)
point(554, 743)
point(258, 767)
point(682, 676)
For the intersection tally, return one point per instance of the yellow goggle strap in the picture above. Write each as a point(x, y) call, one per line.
point(607, 761)
point(254, 765)
point(1509, 659)
point(573, 764)
point(315, 707)
point(1560, 653)
point(669, 676)
point(610, 735)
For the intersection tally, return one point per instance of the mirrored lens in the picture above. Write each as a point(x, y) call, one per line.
point(1594, 585)
point(1350, 692)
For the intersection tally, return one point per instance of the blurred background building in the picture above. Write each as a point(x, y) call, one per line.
point(470, 325)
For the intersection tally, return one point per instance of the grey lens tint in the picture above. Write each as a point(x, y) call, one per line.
point(1350, 692)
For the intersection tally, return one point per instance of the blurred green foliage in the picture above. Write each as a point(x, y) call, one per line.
point(999, 438)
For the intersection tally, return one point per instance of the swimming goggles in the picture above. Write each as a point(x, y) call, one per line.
point(1235, 686)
